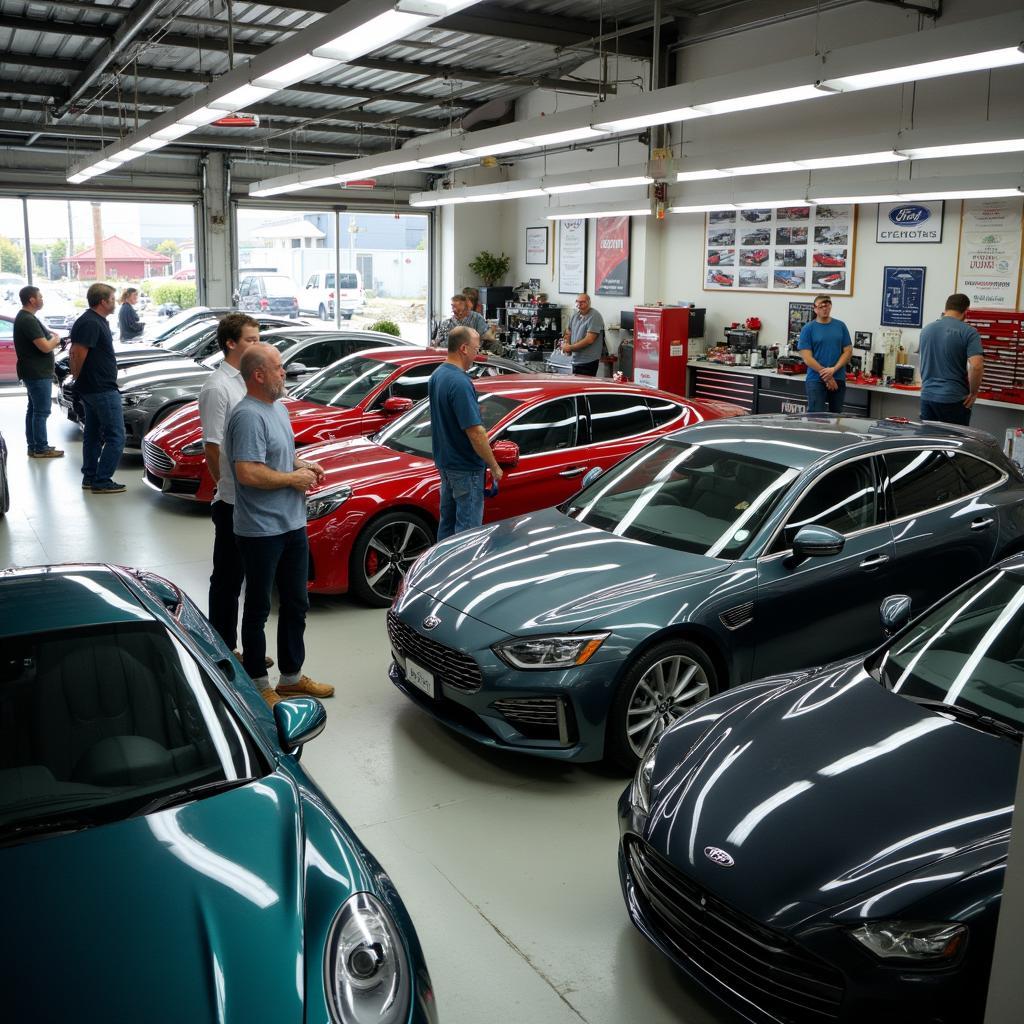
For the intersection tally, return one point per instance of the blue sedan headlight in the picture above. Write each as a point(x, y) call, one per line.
point(546, 652)
point(365, 965)
point(912, 940)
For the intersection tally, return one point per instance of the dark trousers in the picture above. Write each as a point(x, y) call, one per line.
point(39, 393)
point(819, 398)
point(281, 560)
point(945, 412)
point(586, 369)
point(227, 576)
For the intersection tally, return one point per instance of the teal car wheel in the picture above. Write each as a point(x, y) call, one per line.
point(662, 685)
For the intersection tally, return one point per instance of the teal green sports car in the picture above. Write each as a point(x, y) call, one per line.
point(165, 856)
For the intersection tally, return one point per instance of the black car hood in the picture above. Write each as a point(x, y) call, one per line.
point(545, 570)
point(826, 791)
point(158, 373)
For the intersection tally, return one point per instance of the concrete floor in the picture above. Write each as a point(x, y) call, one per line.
point(506, 863)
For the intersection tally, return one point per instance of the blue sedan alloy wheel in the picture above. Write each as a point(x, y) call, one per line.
point(669, 680)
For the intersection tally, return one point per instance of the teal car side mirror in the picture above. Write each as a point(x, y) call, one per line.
point(299, 720)
point(894, 613)
point(817, 542)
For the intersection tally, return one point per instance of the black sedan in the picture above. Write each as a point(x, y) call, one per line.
point(831, 845)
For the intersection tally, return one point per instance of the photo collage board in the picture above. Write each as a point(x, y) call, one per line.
point(786, 249)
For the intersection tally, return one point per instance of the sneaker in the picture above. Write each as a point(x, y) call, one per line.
point(47, 453)
point(268, 660)
point(305, 686)
point(86, 485)
point(111, 488)
point(271, 697)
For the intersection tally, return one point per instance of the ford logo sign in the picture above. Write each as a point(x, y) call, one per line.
point(909, 214)
point(719, 857)
point(431, 622)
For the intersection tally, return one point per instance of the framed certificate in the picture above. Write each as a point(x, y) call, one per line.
point(536, 245)
point(572, 256)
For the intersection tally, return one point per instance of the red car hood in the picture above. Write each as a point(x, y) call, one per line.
point(365, 465)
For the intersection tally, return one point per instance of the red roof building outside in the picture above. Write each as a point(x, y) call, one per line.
point(123, 260)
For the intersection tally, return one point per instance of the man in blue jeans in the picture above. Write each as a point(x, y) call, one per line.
point(461, 449)
point(34, 345)
point(826, 349)
point(95, 371)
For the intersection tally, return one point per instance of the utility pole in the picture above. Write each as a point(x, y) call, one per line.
point(71, 241)
point(97, 241)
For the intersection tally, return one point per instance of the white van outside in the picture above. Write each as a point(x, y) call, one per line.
point(318, 297)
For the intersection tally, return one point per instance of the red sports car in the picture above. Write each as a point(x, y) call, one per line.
point(356, 395)
point(720, 279)
point(827, 259)
point(754, 257)
point(377, 509)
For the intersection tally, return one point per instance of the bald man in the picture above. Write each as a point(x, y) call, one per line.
point(584, 338)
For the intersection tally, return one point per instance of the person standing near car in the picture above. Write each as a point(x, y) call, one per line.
point(94, 368)
point(34, 345)
point(462, 316)
point(128, 322)
point(221, 392)
point(270, 524)
point(583, 339)
point(826, 348)
point(952, 364)
point(461, 449)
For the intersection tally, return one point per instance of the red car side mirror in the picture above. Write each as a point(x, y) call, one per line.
point(396, 406)
point(506, 454)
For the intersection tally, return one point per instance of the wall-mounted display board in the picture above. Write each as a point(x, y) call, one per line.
point(611, 276)
point(572, 256)
point(988, 263)
point(909, 223)
point(788, 249)
point(902, 296)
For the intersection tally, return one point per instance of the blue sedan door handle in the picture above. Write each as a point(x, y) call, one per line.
point(982, 524)
point(575, 471)
point(874, 562)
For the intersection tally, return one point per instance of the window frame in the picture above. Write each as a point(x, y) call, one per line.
point(581, 418)
point(641, 399)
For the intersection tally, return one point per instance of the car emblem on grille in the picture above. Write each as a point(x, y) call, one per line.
point(431, 622)
point(719, 857)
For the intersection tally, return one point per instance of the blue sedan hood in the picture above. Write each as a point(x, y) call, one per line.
point(827, 791)
point(191, 914)
point(545, 570)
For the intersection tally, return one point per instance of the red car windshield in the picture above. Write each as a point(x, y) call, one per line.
point(344, 385)
point(411, 434)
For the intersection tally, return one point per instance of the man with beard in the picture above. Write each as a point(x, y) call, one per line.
point(270, 522)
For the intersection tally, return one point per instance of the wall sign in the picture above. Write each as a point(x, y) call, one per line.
point(909, 222)
point(800, 313)
point(611, 276)
point(536, 245)
point(902, 296)
point(572, 256)
point(988, 266)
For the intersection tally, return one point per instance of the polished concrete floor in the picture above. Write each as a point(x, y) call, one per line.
point(507, 864)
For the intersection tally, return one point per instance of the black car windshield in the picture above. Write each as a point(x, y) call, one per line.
point(967, 652)
point(165, 327)
point(411, 433)
point(101, 722)
point(692, 498)
point(345, 384)
point(282, 342)
point(188, 337)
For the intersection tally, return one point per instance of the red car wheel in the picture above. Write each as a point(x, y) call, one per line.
point(383, 552)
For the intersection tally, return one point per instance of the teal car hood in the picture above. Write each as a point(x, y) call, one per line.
point(197, 911)
point(542, 571)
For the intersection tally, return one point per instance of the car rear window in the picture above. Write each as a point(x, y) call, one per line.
point(348, 281)
point(279, 287)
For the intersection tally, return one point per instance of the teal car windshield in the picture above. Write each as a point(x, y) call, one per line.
point(411, 434)
point(691, 498)
point(967, 654)
point(110, 721)
point(345, 384)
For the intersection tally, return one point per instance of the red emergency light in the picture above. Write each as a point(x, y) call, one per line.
point(238, 121)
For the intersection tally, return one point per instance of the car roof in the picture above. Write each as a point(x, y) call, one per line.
point(530, 386)
point(800, 441)
point(416, 356)
point(59, 597)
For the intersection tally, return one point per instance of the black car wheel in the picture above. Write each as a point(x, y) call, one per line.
point(383, 553)
point(660, 686)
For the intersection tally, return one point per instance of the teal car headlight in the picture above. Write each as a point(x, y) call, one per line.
point(640, 790)
point(195, 448)
point(135, 398)
point(365, 965)
point(546, 652)
point(324, 503)
point(912, 940)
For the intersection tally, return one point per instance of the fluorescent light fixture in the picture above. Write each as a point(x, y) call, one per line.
point(204, 115)
point(443, 158)
point(965, 149)
point(104, 165)
point(173, 131)
point(785, 165)
point(244, 96)
point(147, 145)
point(771, 204)
point(642, 179)
point(984, 61)
point(294, 71)
point(314, 183)
point(854, 160)
point(486, 197)
point(772, 98)
point(497, 148)
point(568, 135)
point(580, 186)
point(702, 207)
point(77, 179)
point(568, 214)
point(845, 200)
point(707, 175)
point(969, 193)
point(629, 124)
point(375, 33)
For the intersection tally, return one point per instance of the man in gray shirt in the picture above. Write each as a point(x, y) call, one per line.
point(584, 338)
point(270, 522)
point(952, 364)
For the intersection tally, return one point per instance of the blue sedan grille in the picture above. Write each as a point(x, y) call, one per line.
point(771, 971)
point(451, 667)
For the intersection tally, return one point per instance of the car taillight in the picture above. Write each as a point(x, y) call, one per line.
point(295, 303)
point(264, 304)
point(330, 295)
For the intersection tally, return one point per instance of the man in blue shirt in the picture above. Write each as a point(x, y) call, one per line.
point(461, 448)
point(826, 349)
point(952, 364)
point(94, 367)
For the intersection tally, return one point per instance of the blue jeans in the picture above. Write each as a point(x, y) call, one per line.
point(39, 394)
point(945, 412)
point(462, 501)
point(103, 441)
point(819, 398)
point(282, 559)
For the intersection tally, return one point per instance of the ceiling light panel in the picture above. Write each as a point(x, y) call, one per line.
point(294, 71)
point(629, 124)
point(965, 149)
point(242, 97)
point(772, 98)
point(707, 175)
point(984, 61)
point(853, 160)
point(372, 35)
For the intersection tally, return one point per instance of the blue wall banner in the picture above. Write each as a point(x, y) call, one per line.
point(902, 296)
point(909, 222)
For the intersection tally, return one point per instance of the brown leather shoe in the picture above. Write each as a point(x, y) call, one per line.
point(305, 687)
point(271, 697)
point(269, 661)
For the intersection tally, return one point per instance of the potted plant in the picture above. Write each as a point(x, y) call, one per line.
point(490, 268)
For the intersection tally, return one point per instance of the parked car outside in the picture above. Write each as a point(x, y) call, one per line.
point(354, 397)
point(725, 552)
point(129, 819)
point(319, 295)
point(8, 357)
point(839, 847)
point(377, 508)
point(268, 293)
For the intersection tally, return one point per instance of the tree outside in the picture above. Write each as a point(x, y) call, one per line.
point(12, 257)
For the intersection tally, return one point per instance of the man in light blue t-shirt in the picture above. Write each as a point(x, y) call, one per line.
point(270, 523)
point(952, 364)
point(826, 349)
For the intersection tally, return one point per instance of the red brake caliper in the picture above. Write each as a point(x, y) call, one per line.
point(371, 562)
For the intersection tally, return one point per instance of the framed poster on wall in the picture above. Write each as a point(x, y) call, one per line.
point(909, 223)
point(988, 263)
point(902, 296)
point(536, 245)
point(611, 275)
point(800, 313)
point(571, 253)
point(784, 249)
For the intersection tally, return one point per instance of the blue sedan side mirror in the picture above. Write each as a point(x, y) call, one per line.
point(817, 542)
point(299, 720)
point(895, 613)
point(591, 476)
